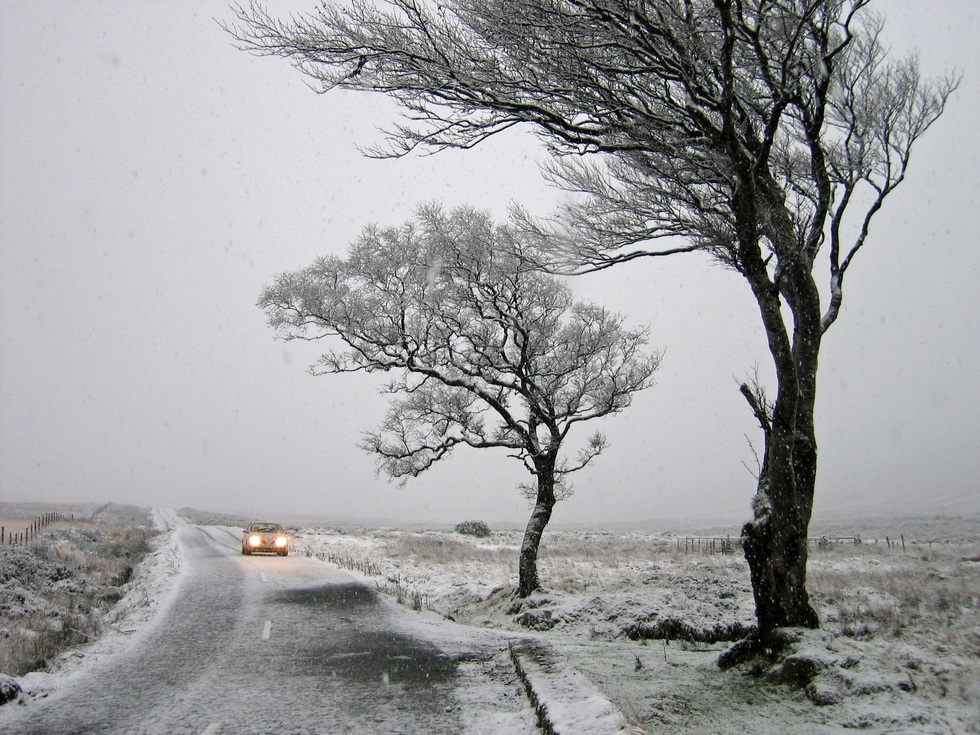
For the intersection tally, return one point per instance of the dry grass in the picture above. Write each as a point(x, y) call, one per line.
point(443, 549)
point(566, 555)
point(18, 524)
point(861, 591)
point(102, 555)
point(38, 638)
point(15, 523)
point(867, 592)
point(56, 591)
point(569, 561)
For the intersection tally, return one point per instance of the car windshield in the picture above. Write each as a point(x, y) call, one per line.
point(265, 528)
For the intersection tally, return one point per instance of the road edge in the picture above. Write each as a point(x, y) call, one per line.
point(565, 701)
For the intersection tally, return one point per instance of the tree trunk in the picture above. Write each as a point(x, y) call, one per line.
point(528, 580)
point(775, 542)
point(775, 545)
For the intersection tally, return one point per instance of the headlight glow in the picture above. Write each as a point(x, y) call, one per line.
point(281, 541)
point(254, 540)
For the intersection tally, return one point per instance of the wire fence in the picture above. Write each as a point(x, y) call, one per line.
point(729, 545)
point(708, 544)
point(31, 532)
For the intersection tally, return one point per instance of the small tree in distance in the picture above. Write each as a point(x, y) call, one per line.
point(489, 351)
point(473, 528)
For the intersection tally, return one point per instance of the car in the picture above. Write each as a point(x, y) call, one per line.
point(267, 537)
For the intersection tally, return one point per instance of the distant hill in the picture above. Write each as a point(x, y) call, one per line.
point(961, 504)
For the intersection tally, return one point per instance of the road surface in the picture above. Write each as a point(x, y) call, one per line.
point(266, 644)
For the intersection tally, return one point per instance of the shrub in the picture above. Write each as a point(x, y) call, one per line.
point(473, 528)
point(54, 594)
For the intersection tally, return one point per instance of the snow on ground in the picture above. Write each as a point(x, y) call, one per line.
point(150, 591)
point(899, 650)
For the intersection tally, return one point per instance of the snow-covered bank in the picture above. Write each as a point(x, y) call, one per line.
point(150, 588)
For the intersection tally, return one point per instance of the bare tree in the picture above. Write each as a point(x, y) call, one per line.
point(765, 133)
point(489, 351)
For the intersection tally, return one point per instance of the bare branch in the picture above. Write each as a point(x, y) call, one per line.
point(489, 351)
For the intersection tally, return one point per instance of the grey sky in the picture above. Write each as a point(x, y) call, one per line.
point(153, 179)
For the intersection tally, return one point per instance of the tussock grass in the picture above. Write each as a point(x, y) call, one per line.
point(606, 548)
point(38, 638)
point(861, 591)
point(55, 593)
point(865, 593)
point(442, 549)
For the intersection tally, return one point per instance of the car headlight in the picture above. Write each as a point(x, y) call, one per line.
point(281, 541)
point(254, 540)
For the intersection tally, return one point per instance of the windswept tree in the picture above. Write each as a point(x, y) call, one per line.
point(765, 133)
point(489, 352)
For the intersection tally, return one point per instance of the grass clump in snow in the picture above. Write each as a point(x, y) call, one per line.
point(868, 593)
point(439, 548)
point(55, 593)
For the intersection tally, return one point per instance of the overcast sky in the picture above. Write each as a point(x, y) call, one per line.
point(153, 179)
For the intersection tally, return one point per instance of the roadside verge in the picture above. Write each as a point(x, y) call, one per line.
point(566, 702)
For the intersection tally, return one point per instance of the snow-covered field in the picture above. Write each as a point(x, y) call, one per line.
point(899, 650)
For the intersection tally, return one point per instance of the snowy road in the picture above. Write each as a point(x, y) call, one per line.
point(265, 644)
